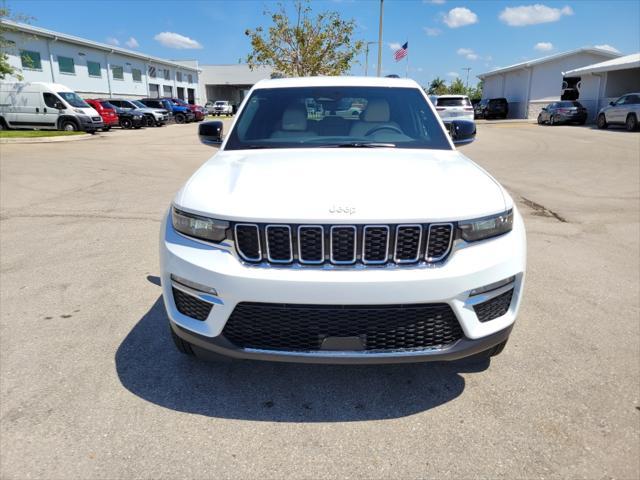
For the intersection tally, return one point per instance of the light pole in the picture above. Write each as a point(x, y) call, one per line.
point(467, 69)
point(380, 40)
point(366, 58)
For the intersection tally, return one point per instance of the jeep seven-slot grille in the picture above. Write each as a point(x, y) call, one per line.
point(288, 327)
point(343, 244)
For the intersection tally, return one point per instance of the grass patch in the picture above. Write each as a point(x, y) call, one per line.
point(36, 133)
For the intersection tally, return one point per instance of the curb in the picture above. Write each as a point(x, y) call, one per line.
point(70, 138)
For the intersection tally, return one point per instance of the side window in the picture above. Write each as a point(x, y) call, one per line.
point(622, 100)
point(634, 99)
point(50, 99)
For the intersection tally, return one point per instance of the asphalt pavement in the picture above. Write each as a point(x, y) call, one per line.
point(91, 386)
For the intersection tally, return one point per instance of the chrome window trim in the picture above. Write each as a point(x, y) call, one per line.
point(266, 239)
point(446, 252)
point(355, 245)
point(310, 262)
point(395, 252)
point(364, 238)
point(237, 244)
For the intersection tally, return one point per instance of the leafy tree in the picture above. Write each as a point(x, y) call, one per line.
point(457, 87)
point(437, 87)
point(6, 69)
point(476, 93)
point(304, 45)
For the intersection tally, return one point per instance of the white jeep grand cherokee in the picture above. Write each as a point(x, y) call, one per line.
point(341, 238)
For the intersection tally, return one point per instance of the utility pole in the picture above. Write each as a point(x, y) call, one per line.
point(467, 69)
point(366, 58)
point(380, 41)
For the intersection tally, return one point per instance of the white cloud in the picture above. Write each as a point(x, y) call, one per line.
point(432, 32)
point(543, 46)
point(468, 53)
point(113, 41)
point(459, 17)
point(132, 43)
point(395, 46)
point(175, 40)
point(608, 47)
point(532, 14)
point(453, 74)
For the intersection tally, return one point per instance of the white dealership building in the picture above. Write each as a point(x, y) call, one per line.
point(94, 69)
point(528, 86)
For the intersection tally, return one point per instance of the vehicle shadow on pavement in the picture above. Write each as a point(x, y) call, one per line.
point(149, 366)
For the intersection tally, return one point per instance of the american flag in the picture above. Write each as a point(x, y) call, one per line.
point(401, 52)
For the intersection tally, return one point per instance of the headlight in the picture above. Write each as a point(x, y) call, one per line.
point(486, 227)
point(77, 110)
point(199, 227)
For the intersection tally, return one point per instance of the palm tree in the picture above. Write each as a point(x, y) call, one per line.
point(437, 87)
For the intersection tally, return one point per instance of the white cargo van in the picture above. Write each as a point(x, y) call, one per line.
point(45, 106)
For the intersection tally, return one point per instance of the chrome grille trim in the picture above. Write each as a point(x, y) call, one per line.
point(364, 238)
point(240, 252)
point(266, 239)
point(395, 253)
point(300, 257)
point(355, 245)
point(426, 250)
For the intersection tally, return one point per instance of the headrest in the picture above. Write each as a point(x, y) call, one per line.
point(294, 119)
point(377, 111)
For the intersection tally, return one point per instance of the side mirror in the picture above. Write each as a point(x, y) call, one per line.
point(59, 105)
point(544, 109)
point(612, 104)
point(210, 133)
point(461, 131)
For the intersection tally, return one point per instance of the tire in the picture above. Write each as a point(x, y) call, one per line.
point(150, 121)
point(552, 120)
point(3, 126)
point(126, 123)
point(69, 126)
point(602, 121)
point(540, 122)
point(180, 118)
point(631, 122)
point(181, 345)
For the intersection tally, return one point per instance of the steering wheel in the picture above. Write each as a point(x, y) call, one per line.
point(384, 127)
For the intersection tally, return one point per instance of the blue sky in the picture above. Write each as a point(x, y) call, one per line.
point(444, 36)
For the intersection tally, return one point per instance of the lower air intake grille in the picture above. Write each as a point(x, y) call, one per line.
point(494, 308)
point(191, 306)
point(271, 326)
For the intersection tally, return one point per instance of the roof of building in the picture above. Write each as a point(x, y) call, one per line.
point(620, 63)
point(43, 32)
point(549, 58)
point(345, 81)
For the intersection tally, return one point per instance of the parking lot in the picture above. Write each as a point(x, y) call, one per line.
point(91, 386)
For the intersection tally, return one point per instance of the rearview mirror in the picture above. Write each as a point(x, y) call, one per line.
point(210, 133)
point(461, 131)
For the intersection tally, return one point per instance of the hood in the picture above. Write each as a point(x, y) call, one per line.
point(90, 111)
point(342, 186)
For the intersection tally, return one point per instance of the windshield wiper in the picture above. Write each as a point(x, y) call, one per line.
point(361, 145)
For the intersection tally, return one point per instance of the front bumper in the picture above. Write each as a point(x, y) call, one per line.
point(89, 124)
point(468, 267)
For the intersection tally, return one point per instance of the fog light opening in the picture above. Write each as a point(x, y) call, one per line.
point(492, 286)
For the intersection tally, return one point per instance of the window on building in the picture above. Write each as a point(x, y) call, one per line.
point(66, 65)
point(178, 76)
point(154, 90)
point(94, 69)
point(118, 72)
point(136, 73)
point(30, 60)
point(167, 91)
point(152, 71)
point(181, 93)
point(190, 78)
point(166, 74)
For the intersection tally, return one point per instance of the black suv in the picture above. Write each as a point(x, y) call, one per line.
point(491, 108)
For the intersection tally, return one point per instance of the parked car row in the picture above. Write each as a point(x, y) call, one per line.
point(51, 106)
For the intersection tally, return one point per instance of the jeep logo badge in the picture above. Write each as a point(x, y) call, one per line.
point(342, 209)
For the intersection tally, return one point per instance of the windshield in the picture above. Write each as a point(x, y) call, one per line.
point(74, 99)
point(346, 117)
point(138, 104)
point(219, 104)
point(453, 102)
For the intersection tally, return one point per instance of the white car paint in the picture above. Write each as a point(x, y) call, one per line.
point(461, 110)
point(303, 186)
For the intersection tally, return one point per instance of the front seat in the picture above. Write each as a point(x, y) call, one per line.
point(293, 124)
point(375, 115)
